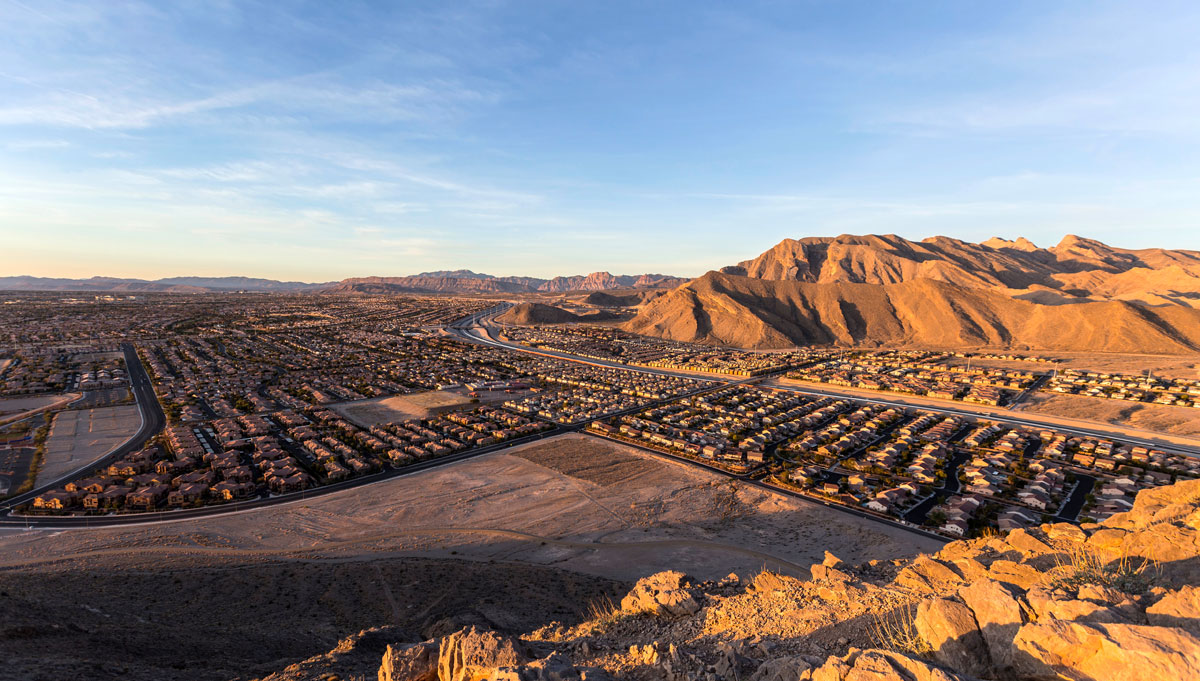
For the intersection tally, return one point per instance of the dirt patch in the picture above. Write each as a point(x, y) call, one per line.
point(589, 459)
point(190, 618)
point(1156, 417)
point(400, 407)
point(13, 405)
point(78, 437)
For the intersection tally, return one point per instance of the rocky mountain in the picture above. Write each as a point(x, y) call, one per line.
point(1115, 601)
point(430, 284)
point(885, 290)
point(603, 281)
point(1076, 270)
point(758, 313)
point(466, 281)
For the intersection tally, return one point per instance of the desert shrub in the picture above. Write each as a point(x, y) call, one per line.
point(603, 613)
point(1125, 573)
point(896, 630)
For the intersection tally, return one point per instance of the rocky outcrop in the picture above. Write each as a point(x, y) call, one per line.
point(664, 593)
point(950, 629)
point(416, 662)
point(473, 654)
point(1055, 602)
point(1054, 649)
point(1177, 609)
point(879, 665)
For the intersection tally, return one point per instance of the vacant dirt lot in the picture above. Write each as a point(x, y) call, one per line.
point(400, 407)
point(1154, 417)
point(78, 437)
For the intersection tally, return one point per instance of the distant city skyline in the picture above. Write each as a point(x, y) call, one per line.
point(319, 142)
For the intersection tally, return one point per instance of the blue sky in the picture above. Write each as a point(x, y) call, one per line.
point(316, 141)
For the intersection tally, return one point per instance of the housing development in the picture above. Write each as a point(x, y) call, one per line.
point(266, 396)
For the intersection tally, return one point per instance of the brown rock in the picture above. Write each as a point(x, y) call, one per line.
point(1159, 505)
point(1177, 609)
point(1055, 649)
point(879, 665)
point(1017, 574)
point(663, 593)
point(474, 654)
point(832, 561)
point(781, 669)
point(418, 662)
point(1108, 539)
point(1023, 541)
point(1073, 610)
point(998, 616)
point(767, 582)
point(1065, 532)
point(929, 576)
point(824, 573)
point(552, 668)
point(950, 629)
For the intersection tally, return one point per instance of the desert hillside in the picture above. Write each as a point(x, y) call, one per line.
point(761, 313)
point(530, 314)
point(1111, 601)
point(1076, 269)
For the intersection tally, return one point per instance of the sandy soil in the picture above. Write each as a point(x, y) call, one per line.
point(622, 518)
point(77, 437)
point(12, 405)
point(1156, 417)
point(399, 407)
point(1171, 366)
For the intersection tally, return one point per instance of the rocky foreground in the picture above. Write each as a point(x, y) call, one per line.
point(1113, 601)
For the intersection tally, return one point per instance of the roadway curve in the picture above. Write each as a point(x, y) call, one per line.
point(153, 421)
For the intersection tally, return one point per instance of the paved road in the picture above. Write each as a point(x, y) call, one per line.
point(153, 421)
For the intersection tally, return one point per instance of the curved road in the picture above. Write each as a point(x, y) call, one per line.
point(153, 421)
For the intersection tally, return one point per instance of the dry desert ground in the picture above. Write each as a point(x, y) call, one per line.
point(505, 539)
point(80, 436)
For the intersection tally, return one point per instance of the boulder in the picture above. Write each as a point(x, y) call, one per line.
point(823, 573)
point(1108, 539)
point(1021, 540)
point(1061, 605)
point(998, 616)
point(1159, 505)
point(950, 629)
point(1054, 649)
point(473, 654)
point(1020, 575)
point(781, 669)
point(928, 576)
point(417, 662)
point(766, 582)
point(1177, 609)
point(1064, 532)
point(663, 593)
point(879, 665)
point(832, 561)
point(552, 668)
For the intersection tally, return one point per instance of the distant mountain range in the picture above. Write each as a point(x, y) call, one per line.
point(886, 290)
point(465, 281)
point(457, 281)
